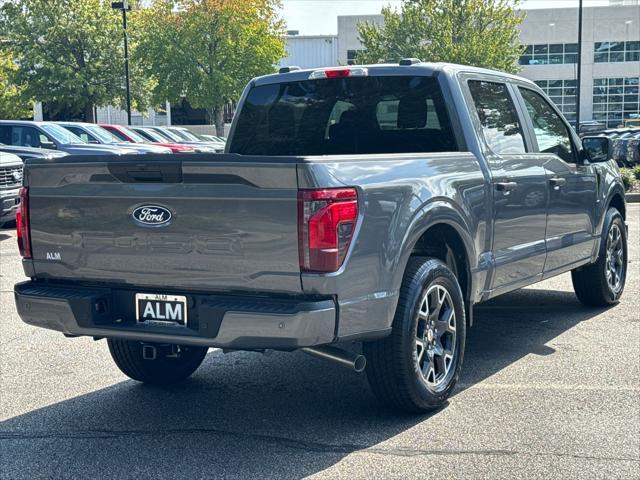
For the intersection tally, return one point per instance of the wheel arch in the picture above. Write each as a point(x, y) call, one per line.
point(617, 200)
point(441, 231)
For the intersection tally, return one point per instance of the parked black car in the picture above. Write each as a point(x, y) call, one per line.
point(10, 183)
point(52, 137)
point(29, 152)
point(625, 145)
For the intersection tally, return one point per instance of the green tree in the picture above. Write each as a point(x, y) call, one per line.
point(13, 103)
point(207, 50)
point(483, 33)
point(68, 52)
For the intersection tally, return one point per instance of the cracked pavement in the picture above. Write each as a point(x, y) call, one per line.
point(549, 389)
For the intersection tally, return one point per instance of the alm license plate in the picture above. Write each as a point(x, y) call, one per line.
point(158, 309)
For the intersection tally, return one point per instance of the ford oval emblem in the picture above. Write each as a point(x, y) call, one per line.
point(151, 216)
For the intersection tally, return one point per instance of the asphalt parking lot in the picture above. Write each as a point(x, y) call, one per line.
point(550, 389)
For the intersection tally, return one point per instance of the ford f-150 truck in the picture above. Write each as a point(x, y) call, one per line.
point(365, 204)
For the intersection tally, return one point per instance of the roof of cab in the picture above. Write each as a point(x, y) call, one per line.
point(382, 69)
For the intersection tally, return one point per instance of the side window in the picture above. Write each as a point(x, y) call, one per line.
point(498, 117)
point(551, 132)
point(84, 136)
point(25, 136)
point(5, 134)
point(336, 116)
point(387, 112)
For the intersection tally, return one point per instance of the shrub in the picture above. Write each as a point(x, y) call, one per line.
point(627, 178)
point(636, 172)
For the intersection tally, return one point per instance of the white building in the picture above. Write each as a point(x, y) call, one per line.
point(311, 51)
point(610, 56)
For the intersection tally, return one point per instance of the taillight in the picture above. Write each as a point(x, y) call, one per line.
point(22, 224)
point(326, 222)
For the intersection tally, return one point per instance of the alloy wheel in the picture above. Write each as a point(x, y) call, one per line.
point(436, 338)
point(614, 266)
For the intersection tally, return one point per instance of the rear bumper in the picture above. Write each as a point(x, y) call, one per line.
point(224, 321)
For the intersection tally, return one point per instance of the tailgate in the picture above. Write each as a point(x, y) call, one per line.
point(199, 222)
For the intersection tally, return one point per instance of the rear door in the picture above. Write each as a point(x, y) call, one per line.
point(573, 186)
point(198, 222)
point(520, 190)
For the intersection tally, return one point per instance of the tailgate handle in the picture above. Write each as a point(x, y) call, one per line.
point(145, 176)
point(148, 172)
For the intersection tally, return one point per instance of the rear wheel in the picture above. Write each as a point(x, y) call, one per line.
point(155, 363)
point(417, 366)
point(602, 283)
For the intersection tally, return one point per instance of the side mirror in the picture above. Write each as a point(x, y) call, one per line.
point(49, 145)
point(597, 149)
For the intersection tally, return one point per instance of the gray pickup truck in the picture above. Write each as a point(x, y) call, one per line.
point(370, 204)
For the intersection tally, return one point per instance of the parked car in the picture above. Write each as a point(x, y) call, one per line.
point(189, 136)
point(173, 136)
point(128, 134)
point(29, 152)
point(590, 127)
point(10, 183)
point(625, 145)
point(213, 138)
point(51, 136)
point(95, 134)
point(322, 227)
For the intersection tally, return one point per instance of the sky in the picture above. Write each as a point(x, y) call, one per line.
point(319, 17)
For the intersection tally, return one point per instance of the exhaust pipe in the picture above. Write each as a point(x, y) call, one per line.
point(352, 360)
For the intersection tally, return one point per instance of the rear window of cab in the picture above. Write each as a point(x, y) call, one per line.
point(356, 115)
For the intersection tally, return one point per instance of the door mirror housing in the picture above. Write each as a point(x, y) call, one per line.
point(597, 149)
point(49, 145)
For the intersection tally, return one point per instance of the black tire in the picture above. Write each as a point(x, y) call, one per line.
point(393, 367)
point(172, 363)
point(590, 282)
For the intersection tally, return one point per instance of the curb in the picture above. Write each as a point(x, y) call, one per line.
point(632, 197)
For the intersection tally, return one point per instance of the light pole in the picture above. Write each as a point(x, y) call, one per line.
point(124, 7)
point(579, 75)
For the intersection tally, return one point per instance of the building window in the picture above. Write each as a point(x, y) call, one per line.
point(606, 52)
point(616, 99)
point(351, 56)
point(563, 94)
point(550, 54)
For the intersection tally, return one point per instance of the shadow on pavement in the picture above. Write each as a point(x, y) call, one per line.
point(249, 415)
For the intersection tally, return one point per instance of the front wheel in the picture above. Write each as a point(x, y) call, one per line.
point(416, 368)
point(602, 283)
point(157, 364)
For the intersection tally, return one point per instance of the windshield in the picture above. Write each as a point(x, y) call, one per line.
point(155, 136)
point(135, 136)
point(186, 134)
point(398, 114)
point(101, 134)
point(61, 135)
point(168, 134)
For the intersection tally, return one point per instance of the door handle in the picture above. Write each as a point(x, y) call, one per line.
point(557, 182)
point(506, 186)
